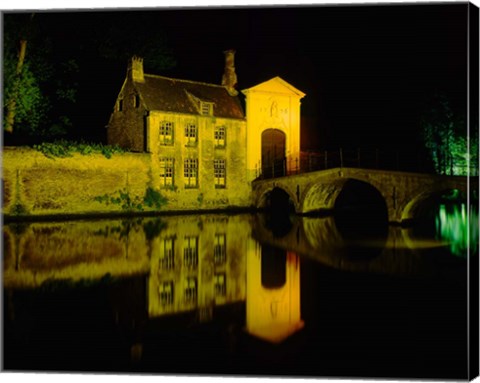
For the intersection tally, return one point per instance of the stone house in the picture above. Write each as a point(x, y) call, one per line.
point(200, 140)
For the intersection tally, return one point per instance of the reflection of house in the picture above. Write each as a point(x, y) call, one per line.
point(198, 136)
point(198, 265)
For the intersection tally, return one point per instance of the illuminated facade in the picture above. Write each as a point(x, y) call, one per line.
point(195, 133)
point(273, 128)
point(199, 137)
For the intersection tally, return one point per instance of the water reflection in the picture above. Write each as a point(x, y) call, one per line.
point(198, 263)
point(38, 252)
point(223, 294)
point(273, 293)
point(453, 225)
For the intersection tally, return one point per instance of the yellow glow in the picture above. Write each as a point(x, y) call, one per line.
point(272, 314)
point(273, 104)
point(36, 185)
point(37, 252)
point(197, 264)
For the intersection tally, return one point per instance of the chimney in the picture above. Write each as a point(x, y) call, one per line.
point(135, 69)
point(229, 79)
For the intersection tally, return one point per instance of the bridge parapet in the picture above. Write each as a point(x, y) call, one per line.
point(309, 161)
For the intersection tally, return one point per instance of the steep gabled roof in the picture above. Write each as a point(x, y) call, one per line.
point(174, 95)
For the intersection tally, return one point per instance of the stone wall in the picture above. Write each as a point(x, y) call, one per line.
point(35, 185)
point(236, 191)
point(126, 127)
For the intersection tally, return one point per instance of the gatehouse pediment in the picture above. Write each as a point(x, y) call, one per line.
point(275, 85)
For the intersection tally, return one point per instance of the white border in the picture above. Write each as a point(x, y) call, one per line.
point(129, 4)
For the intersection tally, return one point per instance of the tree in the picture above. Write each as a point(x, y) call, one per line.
point(446, 139)
point(48, 87)
point(22, 96)
point(23, 102)
point(32, 87)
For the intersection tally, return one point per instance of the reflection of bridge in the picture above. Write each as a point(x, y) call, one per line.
point(317, 191)
point(395, 252)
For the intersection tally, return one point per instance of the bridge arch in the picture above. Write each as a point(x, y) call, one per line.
point(279, 206)
point(321, 196)
point(361, 214)
point(318, 191)
point(413, 206)
point(279, 196)
point(343, 193)
point(356, 192)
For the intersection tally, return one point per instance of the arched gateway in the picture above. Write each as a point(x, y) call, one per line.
point(273, 129)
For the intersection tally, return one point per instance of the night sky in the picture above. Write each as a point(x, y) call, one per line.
point(368, 71)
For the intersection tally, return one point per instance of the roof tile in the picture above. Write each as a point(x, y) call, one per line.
point(168, 94)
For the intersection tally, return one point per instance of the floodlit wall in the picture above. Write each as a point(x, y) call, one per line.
point(274, 104)
point(206, 191)
point(33, 184)
point(126, 126)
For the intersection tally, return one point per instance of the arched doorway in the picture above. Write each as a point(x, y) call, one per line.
point(273, 153)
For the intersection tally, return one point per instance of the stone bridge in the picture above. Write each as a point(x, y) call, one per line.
point(317, 192)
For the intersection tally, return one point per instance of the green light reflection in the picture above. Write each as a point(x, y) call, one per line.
point(454, 226)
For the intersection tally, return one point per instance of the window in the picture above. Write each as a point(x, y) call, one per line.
point(191, 172)
point(166, 293)
point(219, 136)
point(191, 290)
point(191, 134)
point(166, 171)
point(220, 285)
point(190, 252)
point(167, 262)
point(219, 173)
point(120, 105)
point(166, 133)
point(136, 101)
point(206, 108)
point(219, 249)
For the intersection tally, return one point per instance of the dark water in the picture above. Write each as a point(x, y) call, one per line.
point(234, 294)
